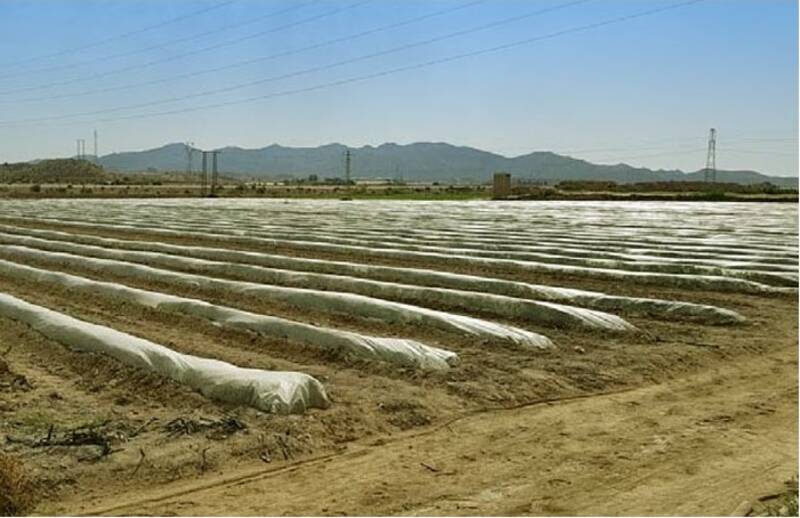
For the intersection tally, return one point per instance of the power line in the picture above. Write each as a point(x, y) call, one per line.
point(320, 68)
point(251, 61)
point(406, 68)
point(668, 150)
point(119, 36)
point(646, 148)
point(793, 139)
point(647, 144)
point(201, 50)
point(606, 150)
point(162, 45)
point(681, 151)
point(761, 151)
point(711, 149)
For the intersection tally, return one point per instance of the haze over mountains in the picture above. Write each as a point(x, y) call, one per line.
point(413, 162)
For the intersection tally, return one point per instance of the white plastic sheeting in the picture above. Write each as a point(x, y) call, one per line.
point(743, 230)
point(336, 302)
point(545, 313)
point(269, 391)
point(682, 276)
point(622, 228)
point(690, 281)
point(780, 275)
point(594, 300)
point(392, 350)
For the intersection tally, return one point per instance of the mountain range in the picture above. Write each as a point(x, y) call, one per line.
point(413, 162)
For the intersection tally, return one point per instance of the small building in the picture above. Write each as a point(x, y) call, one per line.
point(501, 186)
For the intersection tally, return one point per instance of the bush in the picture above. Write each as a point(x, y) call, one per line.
point(16, 490)
point(36, 188)
point(586, 185)
point(713, 196)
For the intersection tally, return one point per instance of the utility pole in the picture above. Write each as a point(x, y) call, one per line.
point(710, 172)
point(204, 174)
point(95, 147)
point(214, 176)
point(80, 144)
point(214, 172)
point(189, 155)
point(347, 158)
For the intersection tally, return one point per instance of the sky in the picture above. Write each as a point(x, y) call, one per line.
point(610, 81)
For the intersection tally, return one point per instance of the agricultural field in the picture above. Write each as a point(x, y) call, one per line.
point(243, 356)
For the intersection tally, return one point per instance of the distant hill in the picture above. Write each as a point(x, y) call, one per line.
point(67, 170)
point(420, 161)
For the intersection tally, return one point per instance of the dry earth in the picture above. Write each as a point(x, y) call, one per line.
point(708, 443)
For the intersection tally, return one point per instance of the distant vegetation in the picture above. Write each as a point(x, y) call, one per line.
point(653, 191)
point(703, 187)
point(54, 171)
point(405, 192)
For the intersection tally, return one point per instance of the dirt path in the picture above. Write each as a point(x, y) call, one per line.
point(703, 444)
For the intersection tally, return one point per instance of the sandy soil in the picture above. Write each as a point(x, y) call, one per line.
point(708, 443)
point(680, 419)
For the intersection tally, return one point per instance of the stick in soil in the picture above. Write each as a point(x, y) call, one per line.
point(429, 467)
point(145, 425)
point(203, 463)
point(139, 464)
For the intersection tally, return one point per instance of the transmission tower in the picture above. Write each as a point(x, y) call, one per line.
point(81, 149)
point(347, 158)
point(212, 175)
point(189, 154)
point(95, 147)
point(710, 172)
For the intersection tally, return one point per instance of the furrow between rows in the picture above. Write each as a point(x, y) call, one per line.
point(421, 277)
point(307, 299)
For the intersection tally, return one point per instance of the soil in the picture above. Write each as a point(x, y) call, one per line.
point(679, 419)
point(707, 443)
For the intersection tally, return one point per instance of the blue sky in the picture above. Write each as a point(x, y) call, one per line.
point(643, 91)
